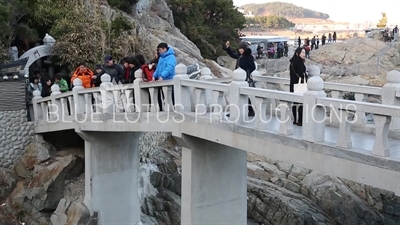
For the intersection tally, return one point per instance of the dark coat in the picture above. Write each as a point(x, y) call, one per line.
point(131, 75)
point(297, 71)
point(245, 61)
point(46, 90)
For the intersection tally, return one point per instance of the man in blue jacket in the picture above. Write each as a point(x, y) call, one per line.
point(166, 63)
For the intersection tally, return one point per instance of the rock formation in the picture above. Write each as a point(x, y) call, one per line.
point(359, 61)
point(278, 193)
point(155, 24)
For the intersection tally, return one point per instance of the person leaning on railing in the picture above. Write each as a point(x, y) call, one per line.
point(83, 73)
point(61, 83)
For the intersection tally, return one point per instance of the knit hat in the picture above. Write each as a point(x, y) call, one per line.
point(98, 66)
point(243, 45)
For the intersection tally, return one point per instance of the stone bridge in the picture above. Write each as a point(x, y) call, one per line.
point(351, 139)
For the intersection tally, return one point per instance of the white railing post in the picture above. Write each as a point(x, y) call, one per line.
point(238, 103)
point(333, 111)
point(55, 108)
point(381, 143)
point(344, 137)
point(141, 96)
point(208, 94)
point(182, 93)
point(79, 100)
point(107, 95)
point(205, 74)
point(360, 118)
point(270, 103)
point(389, 95)
point(314, 115)
point(37, 109)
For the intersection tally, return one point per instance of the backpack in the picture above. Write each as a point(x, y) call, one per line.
point(147, 73)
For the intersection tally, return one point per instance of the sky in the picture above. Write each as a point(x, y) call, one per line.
point(346, 10)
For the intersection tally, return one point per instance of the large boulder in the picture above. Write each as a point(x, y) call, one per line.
point(8, 181)
point(70, 213)
point(367, 60)
point(47, 187)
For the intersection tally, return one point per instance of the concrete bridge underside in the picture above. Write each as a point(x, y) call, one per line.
point(214, 173)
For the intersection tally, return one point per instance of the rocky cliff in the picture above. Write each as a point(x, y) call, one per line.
point(155, 24)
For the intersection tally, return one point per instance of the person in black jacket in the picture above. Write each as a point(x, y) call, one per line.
point(245, 61)
point(46, 88)
point(297, 71)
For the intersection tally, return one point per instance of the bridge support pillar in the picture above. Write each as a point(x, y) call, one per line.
point(214, 183)
point(111, 176)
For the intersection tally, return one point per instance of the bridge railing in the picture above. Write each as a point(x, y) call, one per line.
point(381, 95)
point(315, 104)
point(335, 90)
point(203, 96)
point(383, 115)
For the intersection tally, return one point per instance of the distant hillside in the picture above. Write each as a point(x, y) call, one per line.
point(283, 9)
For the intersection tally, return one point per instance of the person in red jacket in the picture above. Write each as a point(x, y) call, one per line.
point(85, 74)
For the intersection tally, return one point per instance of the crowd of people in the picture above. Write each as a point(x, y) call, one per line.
point(312, 44)
point(161, 67)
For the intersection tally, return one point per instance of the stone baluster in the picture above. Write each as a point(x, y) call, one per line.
point(344, 136)
point(314, 115)
point(238, 103)
point(217, 104)
point(360, 117)
point(182, 93)
point(79, 100)
point(208, 94)
point(37, 110)
point(334, 117)
point(142, 99)
point(168, 105)
point(154, 106)
point(55, 109)
point(200, 100)
point(261, 112)
point(381, 144)
point(285, 123)
point(107, 95)
point(129, 99)
point(271, 103)
point(389, 95)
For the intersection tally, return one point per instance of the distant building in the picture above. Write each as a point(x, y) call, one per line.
point(249, 15)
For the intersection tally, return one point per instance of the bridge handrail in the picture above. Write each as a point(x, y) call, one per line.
point(41, 100)
point(272, 94)
point(85, 91)
point(327, 85)
point(367, 107)
point(156, 84)
point(205, 85)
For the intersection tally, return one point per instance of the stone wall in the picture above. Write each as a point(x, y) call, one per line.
point(15, 134)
